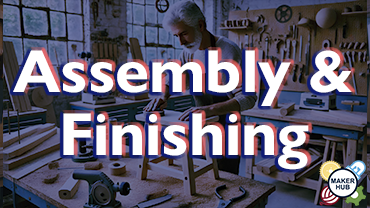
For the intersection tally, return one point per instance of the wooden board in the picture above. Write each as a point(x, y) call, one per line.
point(32, 166)
point(13, 137)
point(27, 144)
point(69, 189)
point(267, 166)
point(101, 50)
point(319, 118)
point(355, 24)
point(48, 146)
point(11, 69)
point(95, 50)
point(135, 49)
point(171, 117)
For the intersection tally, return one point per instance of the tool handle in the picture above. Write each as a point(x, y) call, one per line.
point(240, 196)
point(218, 189)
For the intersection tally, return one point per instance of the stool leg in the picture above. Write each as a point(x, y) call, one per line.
point(214, 161)
point(143, 168)
point(320, 182)
point(344, 145)
point(188, 170)
point(333, 150)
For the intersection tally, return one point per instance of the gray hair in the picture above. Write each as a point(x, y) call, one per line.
point(183, 11)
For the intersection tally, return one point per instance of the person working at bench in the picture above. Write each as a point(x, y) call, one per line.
point(186, 21)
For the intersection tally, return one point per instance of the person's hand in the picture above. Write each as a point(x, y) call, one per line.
point(206, 109)
point(156, 103)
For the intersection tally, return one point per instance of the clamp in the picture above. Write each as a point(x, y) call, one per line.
point(223, 203)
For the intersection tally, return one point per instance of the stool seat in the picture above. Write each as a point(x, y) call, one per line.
point(335, 139)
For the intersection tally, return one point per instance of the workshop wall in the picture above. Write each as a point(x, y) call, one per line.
point(225, 6)
point(108, 30)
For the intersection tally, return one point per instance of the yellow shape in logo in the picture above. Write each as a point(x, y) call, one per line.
point(327, 168)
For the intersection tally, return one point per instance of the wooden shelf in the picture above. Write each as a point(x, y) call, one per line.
point(235, 28)
point(354, 13)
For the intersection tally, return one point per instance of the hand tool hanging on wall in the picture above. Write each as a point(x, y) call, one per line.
point(294, 77)
point(95, 8)
point(246, 40)
point(357, 44)
point(251, 41)
point(267, 46)
point(277, 44)
point(300, 78)
point(288, 48)
point(308, 54)
point(344, 57)
point(353, 56)
point(261, 30)
point(350, 44)
point(300, 48)
point(353, 72)
point(344, 32)
point(294, 44)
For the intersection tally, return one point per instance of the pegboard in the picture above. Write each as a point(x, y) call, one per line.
point(356, 32)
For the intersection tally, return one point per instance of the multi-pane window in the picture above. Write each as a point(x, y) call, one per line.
point(144, 22)
point(56, 25)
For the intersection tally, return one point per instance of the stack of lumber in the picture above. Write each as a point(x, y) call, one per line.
point(19, 102)
point(33, 143)
point(267, 167)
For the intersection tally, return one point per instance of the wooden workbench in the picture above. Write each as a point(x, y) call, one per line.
point(257, 195)
point(339, 123)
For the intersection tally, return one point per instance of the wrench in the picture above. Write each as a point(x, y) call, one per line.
point(288, 48)
point(294, 44)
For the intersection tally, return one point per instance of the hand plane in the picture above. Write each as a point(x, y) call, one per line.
point(102, 190)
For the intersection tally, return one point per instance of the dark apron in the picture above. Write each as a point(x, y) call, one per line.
point(229, 165)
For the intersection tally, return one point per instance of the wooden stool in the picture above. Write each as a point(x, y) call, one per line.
point(188, 174)
point(329, 140)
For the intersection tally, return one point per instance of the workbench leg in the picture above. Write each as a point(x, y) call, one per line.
point(249, 163)
point(351, 157)
point(189, 178)
point(321, 182)
point(15, 197)
point(364, 148)
point(143, 168)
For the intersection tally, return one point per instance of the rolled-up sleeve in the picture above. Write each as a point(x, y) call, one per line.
point(245, 101)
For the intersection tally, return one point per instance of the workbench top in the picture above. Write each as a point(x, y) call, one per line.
point(119, 101)
point(341, 119)
point(205, 186)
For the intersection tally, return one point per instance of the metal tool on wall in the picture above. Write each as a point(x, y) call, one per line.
point(308, 45)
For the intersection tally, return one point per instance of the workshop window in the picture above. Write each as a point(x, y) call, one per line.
point(144, 22)
point(56, 25)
